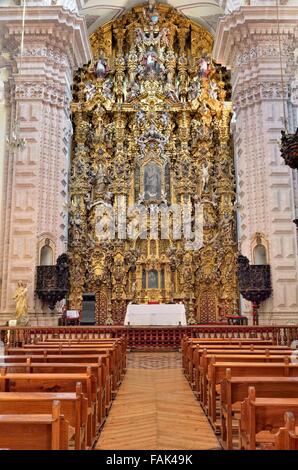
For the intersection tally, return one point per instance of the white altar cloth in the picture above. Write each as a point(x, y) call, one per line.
point(155, 314)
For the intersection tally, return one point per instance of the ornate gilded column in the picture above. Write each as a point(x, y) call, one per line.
point(55, 43)
point(227, 216)
point(182, 62)
point(259, 46)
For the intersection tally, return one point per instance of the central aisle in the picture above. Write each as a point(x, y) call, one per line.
point(155, 409)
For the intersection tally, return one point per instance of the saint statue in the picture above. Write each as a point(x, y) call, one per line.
point(20, 298)
point(205, 176)
point(153, 279)
point(101, 68)
point(213, 90)
point(170, 91)
point(152, 181)
point(151, 60)
point(204, 67)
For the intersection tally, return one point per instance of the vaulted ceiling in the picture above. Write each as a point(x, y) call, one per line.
point(98, 12)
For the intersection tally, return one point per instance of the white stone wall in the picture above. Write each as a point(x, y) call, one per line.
point(35, 191)
point(247, 43)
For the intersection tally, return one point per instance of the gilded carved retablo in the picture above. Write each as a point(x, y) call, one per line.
point(151, 123)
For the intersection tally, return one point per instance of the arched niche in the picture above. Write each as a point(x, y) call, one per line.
point(150, 179)
point(46, 256)
point(260, 249)
point(260, 254)
point(46, 252)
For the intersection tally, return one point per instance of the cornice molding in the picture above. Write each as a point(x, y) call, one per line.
point(55, 23)
point(249, 23)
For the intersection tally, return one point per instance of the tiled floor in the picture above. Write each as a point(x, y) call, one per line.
point(168, 360)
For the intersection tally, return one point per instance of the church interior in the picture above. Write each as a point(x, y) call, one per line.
point(148, 234)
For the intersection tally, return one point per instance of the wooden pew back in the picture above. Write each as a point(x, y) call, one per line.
point(287, 436)
point(235, 389)
point(262, 417)
point(74, 408)
point(34, 431)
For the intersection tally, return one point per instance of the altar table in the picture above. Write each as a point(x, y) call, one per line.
point(155, 314)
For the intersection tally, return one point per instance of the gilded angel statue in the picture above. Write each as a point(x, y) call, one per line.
point(20, 297)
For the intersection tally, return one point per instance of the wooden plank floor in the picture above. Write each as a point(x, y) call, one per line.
point(155, 409)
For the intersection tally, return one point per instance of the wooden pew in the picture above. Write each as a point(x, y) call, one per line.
point(120, 345)
point(73, 407)
point(34, 431)
point(109, 354)
point(217, 349)
point(116, 350)
point(287, 436)
point(64, 368)
point(188, 344)
point(103, 359)
point(201, 372)
point(200, 353)
point(63, 350)
point(57, 383)
point(114, 367)
point(261, 419)
point(234, 390)
point(217, 372)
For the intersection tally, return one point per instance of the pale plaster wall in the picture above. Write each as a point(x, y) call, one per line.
point(247, 43)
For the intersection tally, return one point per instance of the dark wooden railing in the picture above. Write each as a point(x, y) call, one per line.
point(149, 338)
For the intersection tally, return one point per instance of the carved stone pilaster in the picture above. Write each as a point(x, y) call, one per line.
point(261, 57)
point(55, 44)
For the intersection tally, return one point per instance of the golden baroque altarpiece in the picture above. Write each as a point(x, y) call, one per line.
point(151, 128)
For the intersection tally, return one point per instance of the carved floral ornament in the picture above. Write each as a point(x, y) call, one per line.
point(250, 93)
point(151, 128)
point(52, 53)
point(50, 92)
point(268, 49)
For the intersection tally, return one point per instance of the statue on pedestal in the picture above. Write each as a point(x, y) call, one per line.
point(205, 176)
point(20, 297)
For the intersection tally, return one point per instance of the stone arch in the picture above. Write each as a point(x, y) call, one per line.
point(46, 252)
point(259, 249)
point(260, 254)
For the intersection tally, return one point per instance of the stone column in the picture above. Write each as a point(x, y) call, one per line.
point(36, 178)
point(248, 44)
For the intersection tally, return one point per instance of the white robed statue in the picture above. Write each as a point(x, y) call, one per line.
point(205, 176)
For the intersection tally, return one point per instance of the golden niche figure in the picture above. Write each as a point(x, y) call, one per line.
point(20, 297)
